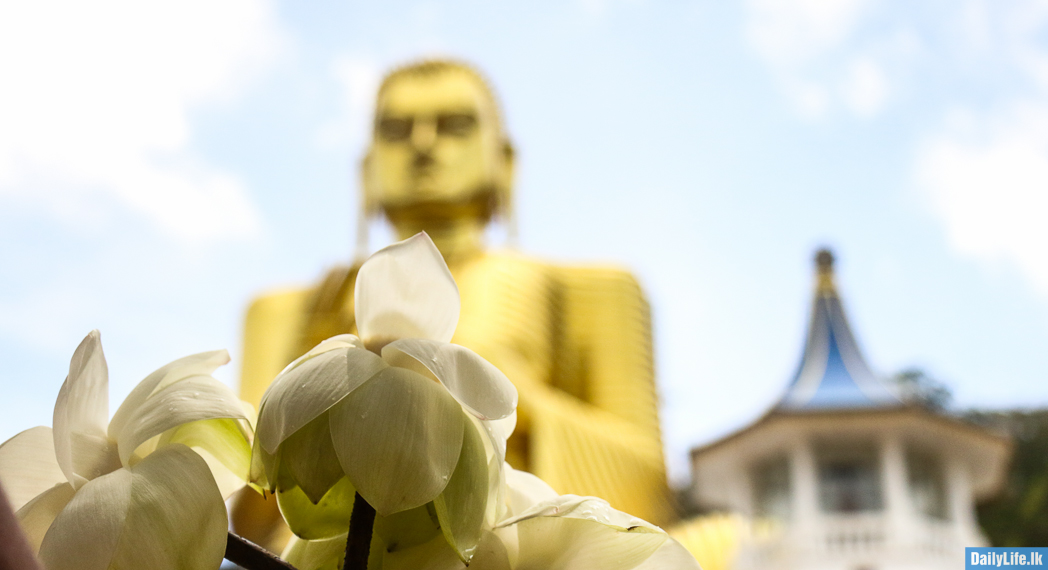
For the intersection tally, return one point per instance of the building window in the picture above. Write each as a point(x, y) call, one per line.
point(771, 489)
point(849, 479)
point(927, 484)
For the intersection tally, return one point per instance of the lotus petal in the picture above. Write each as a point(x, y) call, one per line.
point(561, 543)
point(461, 506)
point(590, 508)
point(326, 518)
point(483, 389)
point(202, 364)
point(498, 433)
point(328, 553)
point(86, 533)
point(433, 554)
point(323, 554)
point(165, 513)
point(223, 443)
point(491, 554)
point(189, 400)
point(406, 291)
point(526, 491)
point(36, 516)
point(407, 529)
point(82, 413)
point(299, 395)
point(671, 555)
point(582, 533)
point(28, 466)
point(437, 555)
point(327, 345)
point(309, 456)
point(398, 438)
point(265, 467)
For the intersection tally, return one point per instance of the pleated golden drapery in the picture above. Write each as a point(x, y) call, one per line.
point(576, 341)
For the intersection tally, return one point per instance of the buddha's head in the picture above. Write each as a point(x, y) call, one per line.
point(438, 150)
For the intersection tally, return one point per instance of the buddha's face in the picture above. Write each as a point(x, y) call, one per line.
point(436, 143)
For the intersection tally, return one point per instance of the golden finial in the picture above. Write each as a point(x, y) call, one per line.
point(824, 271)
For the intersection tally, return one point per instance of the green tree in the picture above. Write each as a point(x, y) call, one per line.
point(917, 387)
point(1019, 515)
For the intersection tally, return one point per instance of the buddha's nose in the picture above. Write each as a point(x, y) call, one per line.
point(424, 134)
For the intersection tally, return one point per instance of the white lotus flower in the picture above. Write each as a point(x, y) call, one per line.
point(553, 532)
point(542, 531)
point(131, 494)
point(398, 415)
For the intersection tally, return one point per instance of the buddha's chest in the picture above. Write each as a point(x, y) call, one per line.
point(503, 303)
point(509, 311)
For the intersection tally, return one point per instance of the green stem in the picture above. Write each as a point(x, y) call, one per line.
point(358, 543)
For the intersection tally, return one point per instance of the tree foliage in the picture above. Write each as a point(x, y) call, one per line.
point(917, 387)
point(1019, 515)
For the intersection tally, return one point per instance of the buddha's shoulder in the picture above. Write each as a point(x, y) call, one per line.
point(296, 296)
point(295, 299)
point(600, 276)
point(511, 259)
point(277, 303)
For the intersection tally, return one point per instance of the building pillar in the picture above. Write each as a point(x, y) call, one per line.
point(804, 496)
point(899, 518)
point(960, 502)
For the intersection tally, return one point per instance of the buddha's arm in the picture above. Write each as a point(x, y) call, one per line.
point(581, 449)
point(607, 316)
point(588, 417)
point(271, 331)
point(608, 319)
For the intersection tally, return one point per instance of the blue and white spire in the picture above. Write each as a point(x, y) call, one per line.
point(833, 373)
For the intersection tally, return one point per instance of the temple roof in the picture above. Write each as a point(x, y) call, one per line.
point(833, 373)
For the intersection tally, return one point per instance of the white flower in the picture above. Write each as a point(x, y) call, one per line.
point(398, 415)
point(131, 494)
point(570, 532)
point(542, 531)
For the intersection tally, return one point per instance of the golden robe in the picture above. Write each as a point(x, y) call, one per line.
point(576, 341)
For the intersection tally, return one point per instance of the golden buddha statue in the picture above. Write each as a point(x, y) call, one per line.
point(576, 341)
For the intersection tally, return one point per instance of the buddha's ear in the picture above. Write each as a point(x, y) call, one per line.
point(508, 153)
point(368, 191)
point(508, 167)
point(504, 190)
point(368, 205)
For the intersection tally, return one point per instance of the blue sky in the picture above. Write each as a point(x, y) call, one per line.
point(161, 164)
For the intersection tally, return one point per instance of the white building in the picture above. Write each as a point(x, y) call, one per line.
point(844, 474)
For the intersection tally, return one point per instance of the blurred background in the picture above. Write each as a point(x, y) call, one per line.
point(161, 164)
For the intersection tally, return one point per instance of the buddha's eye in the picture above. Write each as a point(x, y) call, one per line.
point(456, 124)
point(394, 129)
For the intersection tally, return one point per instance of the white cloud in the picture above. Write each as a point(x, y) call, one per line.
point(811, 98)
point(984, 175)
point(988, 184)
point(788, 32)
point(597, 8)
point(96, 103)
point(359, 78)
point(866, 88)
point(862, 53)
point(801, 41)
